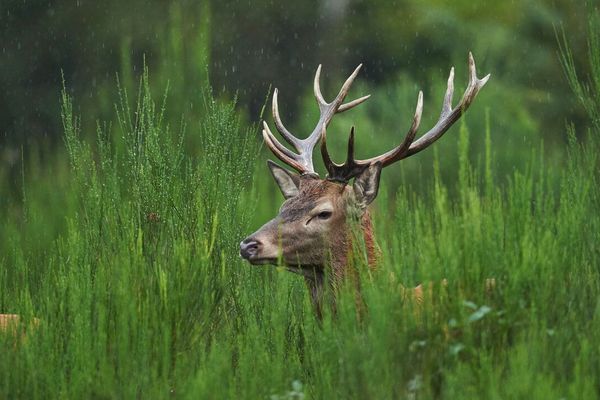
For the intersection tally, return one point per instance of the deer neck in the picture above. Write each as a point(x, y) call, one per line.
point(369, 241)
point(354, 241)
point(342, 255)
point(342, 252)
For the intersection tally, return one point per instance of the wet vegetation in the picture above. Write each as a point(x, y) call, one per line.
point(123, 240)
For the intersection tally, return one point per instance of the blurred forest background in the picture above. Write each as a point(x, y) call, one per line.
point(124, 198)
point(405, 45)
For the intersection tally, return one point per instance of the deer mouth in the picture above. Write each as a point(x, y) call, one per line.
point(259, 260)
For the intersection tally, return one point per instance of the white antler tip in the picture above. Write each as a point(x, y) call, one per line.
point(472, 70)
point(419, 109)
point(354, 73)
point(484, 80)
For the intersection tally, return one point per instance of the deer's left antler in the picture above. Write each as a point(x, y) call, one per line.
point(408, 147)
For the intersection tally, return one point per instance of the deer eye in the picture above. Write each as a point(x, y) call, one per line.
point(324, 215)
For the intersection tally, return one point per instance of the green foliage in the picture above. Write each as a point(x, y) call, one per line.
point(140, 274)
point(124, 244)
point(585, 92)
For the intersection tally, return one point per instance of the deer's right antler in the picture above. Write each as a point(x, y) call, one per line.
point(302, 160)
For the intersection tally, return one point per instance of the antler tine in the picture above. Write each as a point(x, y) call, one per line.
point(339, 172)
point(447, 105)
point(291, 139)
point(342, 94)
point(353, 167)
point(399, 152)
point(328, 110)
point(344, 90)
point(302, 161)
point(329, 164)
point(280, 151)
point(352, 104)
point(278, 146)
point(450, 115)
point(350, 153)
point(317, 88)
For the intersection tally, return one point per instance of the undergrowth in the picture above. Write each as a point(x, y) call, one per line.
point(128, 255)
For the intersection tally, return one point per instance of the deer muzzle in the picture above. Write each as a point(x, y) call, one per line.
point(249, 248)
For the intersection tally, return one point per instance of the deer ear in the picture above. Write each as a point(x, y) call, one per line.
point(288, 182)
point(366, 185)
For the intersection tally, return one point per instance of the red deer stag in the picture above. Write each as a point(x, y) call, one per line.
point(312, 235)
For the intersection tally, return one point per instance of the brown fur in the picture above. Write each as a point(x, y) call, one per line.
point(319, 249)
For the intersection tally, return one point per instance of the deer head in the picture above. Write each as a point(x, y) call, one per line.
point(312, 230)
point(313, 222)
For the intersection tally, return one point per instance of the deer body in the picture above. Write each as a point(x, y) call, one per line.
point(314, 232)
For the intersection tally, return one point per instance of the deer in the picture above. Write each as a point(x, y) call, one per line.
point(312, 235)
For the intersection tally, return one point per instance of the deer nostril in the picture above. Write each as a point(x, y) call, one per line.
point(249, 247)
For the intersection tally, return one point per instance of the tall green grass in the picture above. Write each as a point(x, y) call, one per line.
point(128, 255)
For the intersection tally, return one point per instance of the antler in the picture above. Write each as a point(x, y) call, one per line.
point(302, 160)
point(407, 148)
